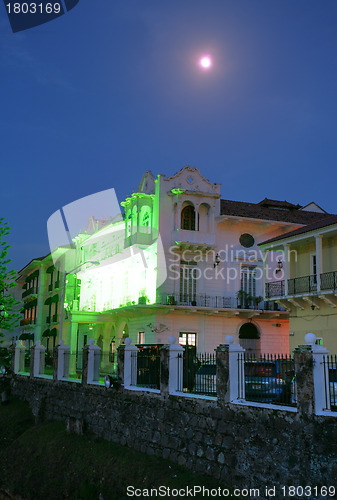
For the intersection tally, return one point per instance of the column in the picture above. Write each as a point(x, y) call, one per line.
point(196, 208)
point(72, 342)
point(265, 255)
point(40, 303)
point(230, 379)
point(171, 368)
point(286, 265)
point(319, 260)
point(130, 364)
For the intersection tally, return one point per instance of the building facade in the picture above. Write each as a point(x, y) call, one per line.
point(306, 283)
point(182, 262)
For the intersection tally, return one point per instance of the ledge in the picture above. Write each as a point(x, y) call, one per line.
point(268, 406)
point(141, 389)
point(193, 396)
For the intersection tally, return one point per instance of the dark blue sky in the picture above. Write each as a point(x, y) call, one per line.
point(111, 89)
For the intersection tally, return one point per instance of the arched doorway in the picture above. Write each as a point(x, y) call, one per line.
point(250, 340)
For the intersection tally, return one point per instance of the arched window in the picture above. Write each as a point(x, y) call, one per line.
point(188, 218)
point(250, 340)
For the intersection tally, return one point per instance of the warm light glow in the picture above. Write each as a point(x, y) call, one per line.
point(205, 62)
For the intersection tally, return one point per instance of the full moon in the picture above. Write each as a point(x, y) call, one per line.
point(205, 62)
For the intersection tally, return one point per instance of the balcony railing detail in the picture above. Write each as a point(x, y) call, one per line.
point(30, 291)
point(274, 289)
point(303, 284)
point(215, 301)
point(329, 281)
point(27, 321)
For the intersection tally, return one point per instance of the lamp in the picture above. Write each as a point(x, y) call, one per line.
point(279, 266)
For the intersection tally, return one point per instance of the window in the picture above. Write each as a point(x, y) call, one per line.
point(248, 280)
point(246, 240)
point(141, 338)
point(188, 339)
point(188, 282)
point(313, 268)
point(188, 218)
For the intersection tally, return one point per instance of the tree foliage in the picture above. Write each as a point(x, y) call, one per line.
point(9, 316)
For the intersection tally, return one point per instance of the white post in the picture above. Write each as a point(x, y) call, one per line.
point(286, 266)
point(94, 358)
point(63, 361)
point(130, 364)
point(319, 260)
point(19, 358)
point(236, 370)
point(320, 374)
point(175, 366)
point(39, 359)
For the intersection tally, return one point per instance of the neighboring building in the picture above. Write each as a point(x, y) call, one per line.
point(182, 262)
point(306, 281)
point(41, 287)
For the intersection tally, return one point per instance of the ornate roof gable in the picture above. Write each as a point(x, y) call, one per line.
point(190, 179)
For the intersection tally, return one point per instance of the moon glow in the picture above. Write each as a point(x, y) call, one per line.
point(205, 62)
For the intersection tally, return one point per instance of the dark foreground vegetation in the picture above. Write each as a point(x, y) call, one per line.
point(45, 462)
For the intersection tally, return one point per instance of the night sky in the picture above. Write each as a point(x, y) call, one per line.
point(113, 88)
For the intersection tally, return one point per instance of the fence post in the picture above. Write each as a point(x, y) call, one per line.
point(39, 359)
point(176, 362)
point(84, 380)
point(312, 381)
point(19, 357)
point(62, 359)
point(94, 359)
point(120, 362)
point(230, 380)
point(171, 368)
point(130, 364)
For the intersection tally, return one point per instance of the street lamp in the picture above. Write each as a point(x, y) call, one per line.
point(96, 263)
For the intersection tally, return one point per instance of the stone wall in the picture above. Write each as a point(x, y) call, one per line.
point(243, 446)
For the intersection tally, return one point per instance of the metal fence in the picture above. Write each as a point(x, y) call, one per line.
point(330, 372)
point(199, 372)
point(148, 367)
point(267, 379)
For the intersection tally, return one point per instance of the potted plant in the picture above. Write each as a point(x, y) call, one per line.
point(255, 300)
point(143, 298)
point(171, 300)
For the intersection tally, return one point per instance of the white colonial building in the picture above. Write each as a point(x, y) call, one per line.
point(182, 262)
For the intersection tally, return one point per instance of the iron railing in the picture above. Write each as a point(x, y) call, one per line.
point(303, 284)
point(199, 372)
point(148, 367)
point(30, 291)
point(330, 373)
point(267, 379)
point(329, 281)
point(275, 289)
point(216, 301)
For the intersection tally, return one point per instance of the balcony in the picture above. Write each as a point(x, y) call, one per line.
point(30, 291)
point(329, 281)
point(197, 238)
point(27, 321)
point(216, 302)
point(302, 285)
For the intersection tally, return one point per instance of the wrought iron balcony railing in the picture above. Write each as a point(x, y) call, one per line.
point(303, 284)
point(217, 302)
point(329, 281)
point(30, 291)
